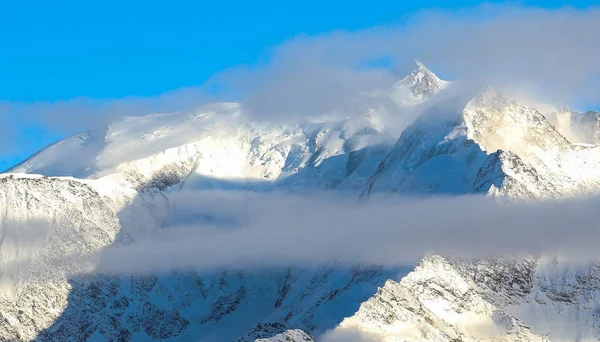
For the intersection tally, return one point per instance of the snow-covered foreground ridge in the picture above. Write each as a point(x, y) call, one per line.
point(114, 187)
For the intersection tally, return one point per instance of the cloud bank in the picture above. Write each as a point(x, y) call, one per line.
point(249, 230)
point(212, 230)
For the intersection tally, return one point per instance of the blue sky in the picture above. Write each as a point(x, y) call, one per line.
point(60, 50)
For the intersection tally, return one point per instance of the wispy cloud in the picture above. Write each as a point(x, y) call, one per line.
point(82, 113)
point(551, 55)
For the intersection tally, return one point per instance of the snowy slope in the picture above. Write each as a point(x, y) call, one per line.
point(522, 298)
point(127, 171)
point(219, 146)
point(43, 219)
point(436, 303)
point(491, 144)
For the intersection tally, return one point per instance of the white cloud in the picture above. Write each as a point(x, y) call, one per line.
point(553, 54)
point(549, 54)
point(213, 230)
point(255, 230)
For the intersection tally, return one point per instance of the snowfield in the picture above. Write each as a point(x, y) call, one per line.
point(113, 186)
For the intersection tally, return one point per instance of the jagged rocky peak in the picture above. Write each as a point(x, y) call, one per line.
point(422, 81)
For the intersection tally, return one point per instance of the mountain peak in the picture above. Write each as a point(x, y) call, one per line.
point(419, 69)
point(422, 82)
point(421, 66)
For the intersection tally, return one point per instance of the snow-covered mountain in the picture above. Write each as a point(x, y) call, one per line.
point(490, 145)
point(113, 186)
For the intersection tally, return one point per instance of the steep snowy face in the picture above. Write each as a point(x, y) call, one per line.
point(522, 298)
point(433, 155)
point(436, 302)
point(494, 145)
point(554, 296)
point(44, 220)
point(499, 123)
